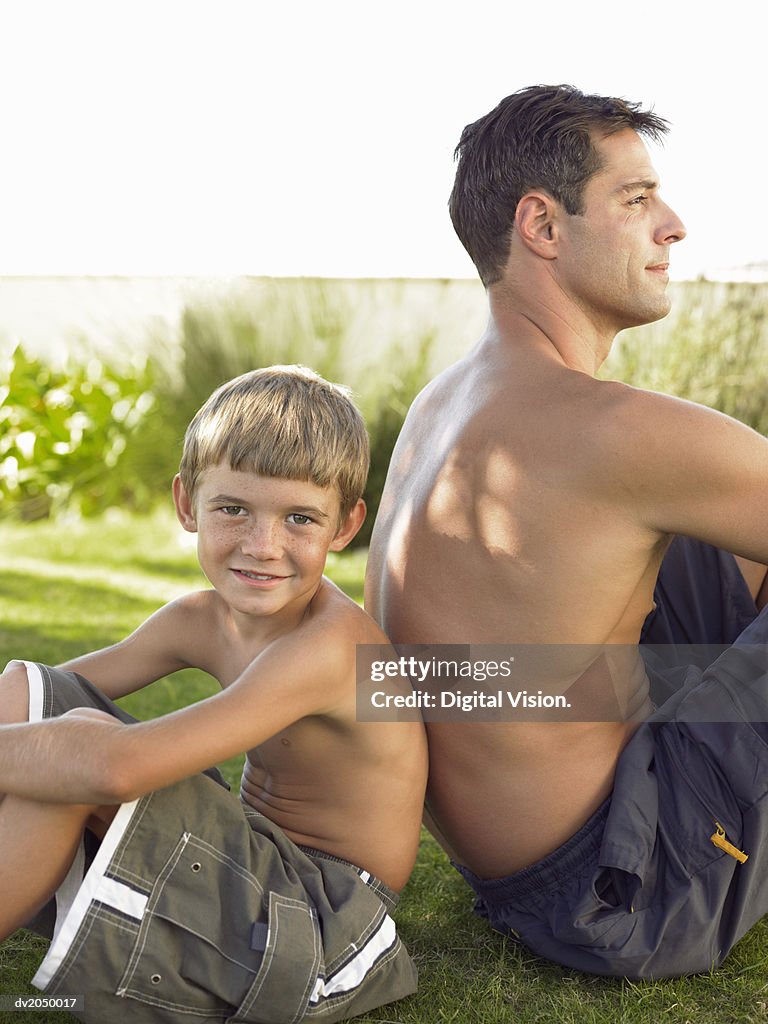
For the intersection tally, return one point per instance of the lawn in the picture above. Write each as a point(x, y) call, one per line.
point(69, 587)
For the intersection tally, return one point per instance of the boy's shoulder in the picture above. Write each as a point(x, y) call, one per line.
point(326, 639)
point(196, 611)
point(333, 609)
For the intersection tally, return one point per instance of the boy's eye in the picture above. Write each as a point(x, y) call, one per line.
point(298, 519)
point(232, 510)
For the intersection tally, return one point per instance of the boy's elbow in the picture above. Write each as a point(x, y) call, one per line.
point(124, 762)
point(123, 780)
point(116, 785)
point(113, 770)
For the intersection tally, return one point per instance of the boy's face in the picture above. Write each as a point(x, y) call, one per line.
point(263, 541)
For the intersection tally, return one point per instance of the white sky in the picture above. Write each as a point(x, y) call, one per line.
point(296, 137)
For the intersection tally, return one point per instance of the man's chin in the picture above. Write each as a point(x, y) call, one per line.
point(652, 312)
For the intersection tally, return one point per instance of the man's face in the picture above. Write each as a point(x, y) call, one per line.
point(614, 256)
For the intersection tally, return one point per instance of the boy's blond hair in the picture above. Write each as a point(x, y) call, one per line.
point(281, 421)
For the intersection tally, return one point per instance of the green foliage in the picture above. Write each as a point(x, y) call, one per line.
point(713, 350)
point(266, 326)
point(63, 432)
point(385, 406)
point(87, 437)
point(309, 324)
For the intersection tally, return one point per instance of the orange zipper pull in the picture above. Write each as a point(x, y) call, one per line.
point(722, 844)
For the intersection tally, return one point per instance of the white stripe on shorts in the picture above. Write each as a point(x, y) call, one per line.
point(35, 683)
point(353, 973)
point(95, 886)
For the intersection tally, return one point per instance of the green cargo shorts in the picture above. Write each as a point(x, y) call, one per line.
point(197, 908)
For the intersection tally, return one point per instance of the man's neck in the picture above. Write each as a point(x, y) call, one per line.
point(549, 320)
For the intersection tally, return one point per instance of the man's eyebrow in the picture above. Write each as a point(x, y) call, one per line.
point(645, 184)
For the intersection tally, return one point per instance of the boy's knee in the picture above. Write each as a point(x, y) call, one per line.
point(14, 694)
point(94, 714)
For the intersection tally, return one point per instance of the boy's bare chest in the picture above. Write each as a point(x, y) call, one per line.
point(296, 763)
point(223, 643)
point(224, 654)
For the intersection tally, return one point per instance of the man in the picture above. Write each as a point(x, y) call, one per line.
point(530, 503)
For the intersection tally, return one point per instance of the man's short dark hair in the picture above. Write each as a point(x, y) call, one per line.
point(541, 137)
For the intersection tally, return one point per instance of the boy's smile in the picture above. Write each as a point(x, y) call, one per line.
point(263, 541)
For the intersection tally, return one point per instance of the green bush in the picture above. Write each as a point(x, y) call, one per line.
point(713, 350)
point(219, 341)
point(308, 324)
point(86, 436)
point(63, 432)
point(385, 406)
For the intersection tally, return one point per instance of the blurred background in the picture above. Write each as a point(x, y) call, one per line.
point(191, 190)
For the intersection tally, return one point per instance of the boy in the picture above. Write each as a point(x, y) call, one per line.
point(194, 906)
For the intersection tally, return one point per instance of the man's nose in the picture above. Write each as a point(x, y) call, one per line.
point(671, 228)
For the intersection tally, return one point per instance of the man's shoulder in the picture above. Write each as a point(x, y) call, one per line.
point(649, 419)
point(639, 446)
point(437, 392)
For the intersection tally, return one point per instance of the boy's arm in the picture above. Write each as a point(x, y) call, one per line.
point(152, 651)
point(88, 760)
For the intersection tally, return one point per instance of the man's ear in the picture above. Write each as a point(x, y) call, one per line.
point(185, 509)
point(536, 223)
point(349, 527)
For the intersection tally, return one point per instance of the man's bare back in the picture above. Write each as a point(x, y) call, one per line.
point(528, 502)
point(498, 526)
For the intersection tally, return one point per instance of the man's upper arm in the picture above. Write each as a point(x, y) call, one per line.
point(693, 471)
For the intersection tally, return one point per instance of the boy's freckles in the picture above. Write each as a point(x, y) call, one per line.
point(263, 541)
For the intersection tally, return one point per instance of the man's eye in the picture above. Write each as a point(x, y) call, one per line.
point(638, 200)
point(298, 519)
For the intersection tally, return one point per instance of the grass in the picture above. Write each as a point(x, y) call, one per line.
point(70, 587)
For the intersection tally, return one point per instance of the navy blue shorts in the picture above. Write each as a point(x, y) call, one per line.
point(700, 597)
point(652, 885)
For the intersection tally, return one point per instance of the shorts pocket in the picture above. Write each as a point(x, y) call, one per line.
point(192, 953)
point(281, 991)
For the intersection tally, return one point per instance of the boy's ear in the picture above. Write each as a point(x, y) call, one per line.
point(185, 510)
point(349, 527)
point(536, 223)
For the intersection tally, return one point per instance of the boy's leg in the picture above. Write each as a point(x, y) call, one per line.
point(38, 843)
point(14, 700)
point(14, 695)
